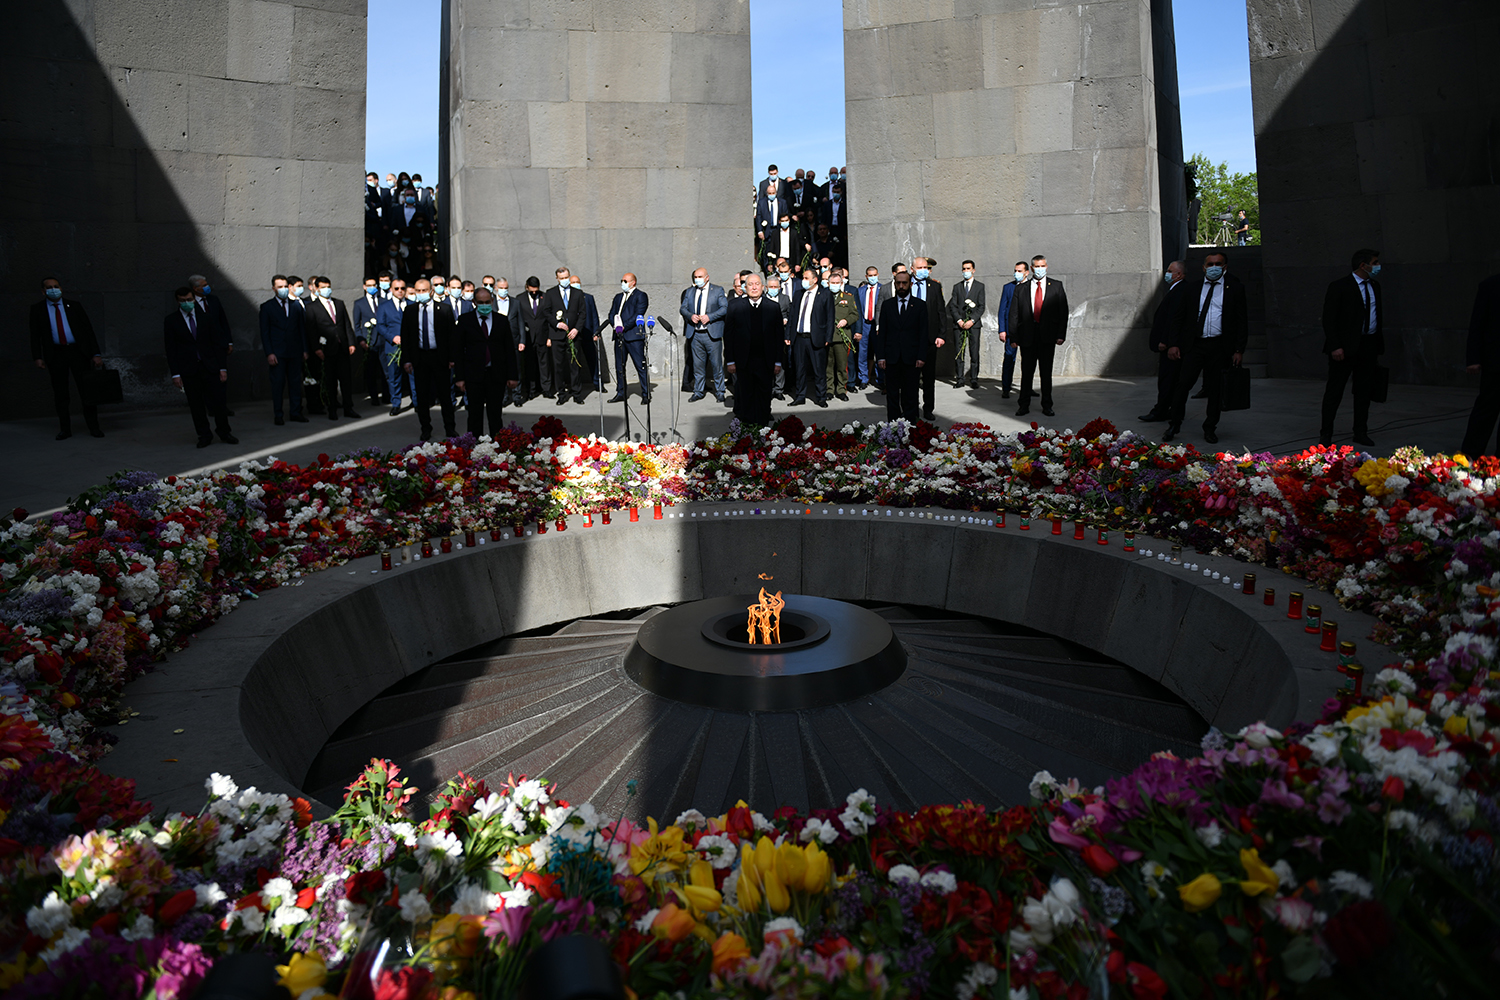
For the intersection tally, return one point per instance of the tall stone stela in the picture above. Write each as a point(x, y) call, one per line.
point(601, 135)
point(999, 129)
point(146, 140)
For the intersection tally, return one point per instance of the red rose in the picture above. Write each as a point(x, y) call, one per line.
point(1145, 984)
point(407, 983)
point(1099, 860)
point(543, 885)
point(174, 908)
point(109, 923)
point(1394, 789)
point(19, 514)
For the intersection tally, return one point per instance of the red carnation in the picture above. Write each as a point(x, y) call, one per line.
point(543, 885)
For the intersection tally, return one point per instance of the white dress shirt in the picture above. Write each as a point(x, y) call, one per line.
point(1213, 321)
point(1368, 294)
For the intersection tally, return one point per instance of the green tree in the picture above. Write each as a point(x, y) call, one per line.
point(1222, 192)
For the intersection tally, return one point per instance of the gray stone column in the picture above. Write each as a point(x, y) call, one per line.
point(1375, 126)
point(999, 129)
point(150, 139)
point(603, 135)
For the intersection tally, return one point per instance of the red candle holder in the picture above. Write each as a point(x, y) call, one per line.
point(1249, 585)
point(496, 534)
point(519, 529)
point(562, 524)
point(446, 544)
point(541, 526)
point(588, 519)
point(656, 512)
point(635, 514)
point(426, 548)
point(1271, 597)
point(1330, 643)
point(1103, 538)
point(1356, 679)
point(1057, 524)
point(1000, 519)
point(1025, 521)
point(604, 516)
point(1129, 541)
point(1314, 620)
point(1346, 655)
point(1077, 531)
point(1294, 605)
point(469, 540)
point(385, 560)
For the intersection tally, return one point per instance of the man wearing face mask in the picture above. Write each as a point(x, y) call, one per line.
point(388, 198)
point(408, 222)
point(199, 365)
point(1212, 328)
point(282, 339)
point(1157, 340)
point(534, 354)
point(966, 314)
point(630, 303)
point(778, 292)
point(207, 301)
point(808, 336)
point(929, 291)
point(845, 329)
point(564, 313)
point(331, 334)
point(428, 353)
point(902, 349)
point(312, 365)
point(487, 363)
point(386, 344)
point(1021, 273)
point(63, 342)
point(508, 312)
point(365, 308)
point(702, 309)
point(871, 295)
point(1353, 339)
point(590, 340)
point(1039, 323)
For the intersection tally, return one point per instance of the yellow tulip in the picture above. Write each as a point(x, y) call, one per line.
point(303, 972)
point(700, 899)
point(776, 895)
point(1456, 725)
point(673, 923)
point(749, 883)
point(1201, 893)
point(701, 874)
point(729, 951)
point(791, 865)
point(765, 856)
point(819, 869)
point(1259, 876)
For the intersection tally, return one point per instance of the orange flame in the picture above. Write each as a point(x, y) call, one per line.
point(766, 618)
point(766, 576)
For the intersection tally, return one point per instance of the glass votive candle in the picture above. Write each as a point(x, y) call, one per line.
point(1057, 524)
point(1103, 538)
point(469, 540)
point(1176, 557)
point(588, 519)
point(519, 529)
point(656, 512)
point(562, 523)
point(406, 553)
point(1025, 521)
point(541, 526)
point(385, 559)
point(426, 548)
point(1330, 643)
point(1129, 541)
point(1346, 654)
point(1249, 585)
point(1000, 519)
point(1270, 599)
point(1077, 530)
point(604, 515)
point(1356, 682)
point(1294, 604)
point(446, 543)
point(1314, 620)
point(495, 534)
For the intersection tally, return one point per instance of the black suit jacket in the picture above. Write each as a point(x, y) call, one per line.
point(820, 321)
point(78, 322)
point(512, 319)
point(753, 336)
point(1483, 346)
point(536, 325)
point(1235, 319)
point(1164, 320)
point(281, 328)
point(904, 337)
point(937, 313)
point(186, 354)
point(1029, 330)
point(321, 331)
point(1344, 317)
point(444, 334)
point(573, 314)
point(472, 346)
point(218, 318)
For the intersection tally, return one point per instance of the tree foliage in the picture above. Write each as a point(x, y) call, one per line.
point(1222, 192)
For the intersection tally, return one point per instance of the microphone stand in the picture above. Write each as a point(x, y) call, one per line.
point(674, 403)
point(599, 374)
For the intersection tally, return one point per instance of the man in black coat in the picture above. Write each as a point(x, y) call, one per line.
point(1482, 355)
point(1353, 339)
point(563, 312)
point(1038, 323)
point(930, 290)
point(1212, 328)
point(903, 348)
point(63, 341)
point(428, 352)
point(535, 356)
point(199, 365)
point(808, 334)
point(754, 335)
point(486, 362)
point(1158, 340)
point(329, 330)
point(282, 340)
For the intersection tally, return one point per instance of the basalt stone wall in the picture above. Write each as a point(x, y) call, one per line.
point(999, 129)
point(145, 140)
point(1376, 124)
point(602, 135)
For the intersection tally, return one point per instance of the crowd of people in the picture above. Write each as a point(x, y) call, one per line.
point(799, 219)
point(403, 232)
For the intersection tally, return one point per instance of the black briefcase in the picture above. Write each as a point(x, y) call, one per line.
point(1236, 388)
point(1380, 384)
point(100, 386)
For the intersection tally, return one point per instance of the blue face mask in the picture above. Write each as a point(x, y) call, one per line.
point(1375, 271)
point(326, 292)
point(1040, 271)
point(1167, 277)
point(385, 286)
point(421, 296)
point(699, 282)
point(1214, 273)
point(921, 274)
point(207, 290)
point(1020, 276)
point(807, 284)
point(773, 292)
point(282, 292)
point(410, 200)
point(53, 293)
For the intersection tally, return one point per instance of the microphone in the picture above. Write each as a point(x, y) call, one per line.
point(662, 321)
point(640, 321)
point(650, 322)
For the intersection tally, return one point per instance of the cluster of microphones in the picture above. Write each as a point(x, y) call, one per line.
point(651, 323)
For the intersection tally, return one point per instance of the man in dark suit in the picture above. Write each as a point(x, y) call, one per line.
point(386, 344)
point(1482, 355)
point(63, 341)
point(1158, 339)
point(407, 223)
point(871, 296)
point(1002, 317)
point(508, 311)
point(1209, 335)
point(902, 349)
point(1353, 339)
point(535, 358)
point(779, 292)
point(208, 302)
point(808, 334)
point(754, 333)
point(630, 304)
point(770, 205)
point(966, 315)
point(1039, 323)
point(930, 291)
point(199, 365)
point(365, 308)
point(282, 340)
point(330, 333)
point(486, 362)
point(702, 310)
point(589, 340)
point(427, 354)
point(563, 310)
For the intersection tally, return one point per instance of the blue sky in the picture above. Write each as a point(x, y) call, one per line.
point(1213, 65)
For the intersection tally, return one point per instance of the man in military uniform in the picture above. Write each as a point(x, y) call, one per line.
point(845, 321)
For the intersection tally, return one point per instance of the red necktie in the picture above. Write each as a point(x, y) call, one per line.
point(870, 304)
point(62, 338)
point(1036, 303)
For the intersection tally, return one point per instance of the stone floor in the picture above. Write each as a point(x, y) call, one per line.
point(44, 473)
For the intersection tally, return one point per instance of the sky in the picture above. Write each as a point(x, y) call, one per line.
point(401, 119)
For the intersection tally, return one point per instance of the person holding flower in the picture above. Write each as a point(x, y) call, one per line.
point(966, 311)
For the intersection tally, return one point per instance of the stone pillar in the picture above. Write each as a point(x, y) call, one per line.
point(601, 135)
point(1375, 126)
point(150, 139)
point(980, 130)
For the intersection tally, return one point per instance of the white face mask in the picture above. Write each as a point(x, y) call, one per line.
point(807, 284)
point(563, 283)
point(625, 286)
point(835, 288)
point(1040, 270)
point(1020, 275)
point(468, 296)
point(504, 293)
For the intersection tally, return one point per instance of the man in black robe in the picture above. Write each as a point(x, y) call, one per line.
point(754, 333)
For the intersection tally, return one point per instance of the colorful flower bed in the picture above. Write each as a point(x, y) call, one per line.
point(1353, 855)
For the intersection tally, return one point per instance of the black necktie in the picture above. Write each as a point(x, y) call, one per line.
point(1364, 288)
point(1203, 313)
